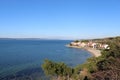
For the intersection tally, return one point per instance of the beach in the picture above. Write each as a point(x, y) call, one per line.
point(94, 52)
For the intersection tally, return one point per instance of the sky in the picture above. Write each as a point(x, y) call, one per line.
point(59, 19)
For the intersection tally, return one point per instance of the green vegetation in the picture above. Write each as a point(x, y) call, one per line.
point(85, 41)
point(76, 41)
point(109, 65)
point(104, 67)
point(57, 70)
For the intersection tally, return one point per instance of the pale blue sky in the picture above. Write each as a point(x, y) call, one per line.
point(61, 19)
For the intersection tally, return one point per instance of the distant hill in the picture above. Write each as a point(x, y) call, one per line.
point(101, 40)
point(29, 39)
point(7, 39)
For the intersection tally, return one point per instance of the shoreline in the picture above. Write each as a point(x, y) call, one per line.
point(94, 52)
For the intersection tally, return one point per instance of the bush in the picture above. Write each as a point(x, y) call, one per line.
point(57, 69)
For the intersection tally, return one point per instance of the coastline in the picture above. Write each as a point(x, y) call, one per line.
point(94, 52)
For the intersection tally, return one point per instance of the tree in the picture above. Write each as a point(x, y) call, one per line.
point(109, 66)
point(76, 41)
point(57, 69)
point(49, 67)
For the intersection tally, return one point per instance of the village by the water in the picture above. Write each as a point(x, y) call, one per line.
point(92, 46)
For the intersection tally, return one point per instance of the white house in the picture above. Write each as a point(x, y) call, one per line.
point(76, 43)
point(94, 45)
point(73, 43)
point(106, 46)
point(83, 44)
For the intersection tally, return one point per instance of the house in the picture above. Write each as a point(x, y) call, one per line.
point(94, 45)
point(83, 44)
point(106, 46)
point(75, 43)
point(91, 44)
point(79, 44)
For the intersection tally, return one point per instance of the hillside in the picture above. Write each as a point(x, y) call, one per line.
point(104, 67)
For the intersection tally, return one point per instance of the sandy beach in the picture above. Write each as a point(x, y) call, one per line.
point(94, 52)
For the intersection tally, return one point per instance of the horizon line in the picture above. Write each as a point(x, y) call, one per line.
point(55, 38)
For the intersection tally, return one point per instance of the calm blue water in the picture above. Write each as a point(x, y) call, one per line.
point(17, 55)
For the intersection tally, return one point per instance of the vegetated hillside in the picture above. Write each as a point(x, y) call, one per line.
point(101, 40)
point(108, 67)
point(105, 67)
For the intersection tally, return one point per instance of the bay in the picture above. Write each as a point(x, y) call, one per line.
point(17, 56)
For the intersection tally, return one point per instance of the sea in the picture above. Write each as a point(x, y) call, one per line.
point(21, 59)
